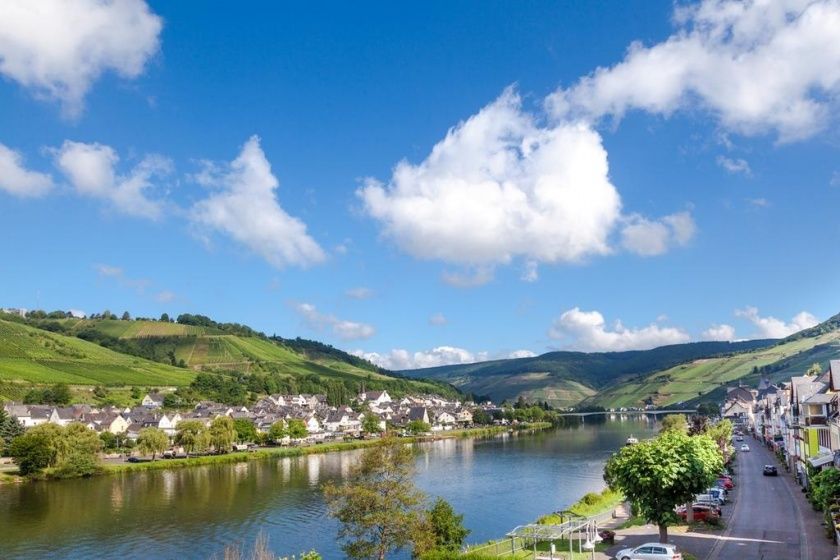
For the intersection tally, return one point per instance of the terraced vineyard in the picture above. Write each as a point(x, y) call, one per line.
point(37, 356)
point(707, 378)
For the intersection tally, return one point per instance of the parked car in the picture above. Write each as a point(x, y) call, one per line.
point(137, 460)
point(650, 551)
point(725, 483)
point(745, 447)
point(718, 493)
point(739, 438)
point(701, 512)
point(770, 470)
point(709, 499)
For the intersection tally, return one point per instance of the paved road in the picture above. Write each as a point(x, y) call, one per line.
point(770, 518)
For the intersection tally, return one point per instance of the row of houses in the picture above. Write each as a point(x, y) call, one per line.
point(322, 421)
point(798, 418)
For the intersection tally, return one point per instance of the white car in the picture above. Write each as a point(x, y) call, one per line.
point(745, 447)
point(650, 551)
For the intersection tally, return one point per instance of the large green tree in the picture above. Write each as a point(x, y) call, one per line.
point(246, 432)
point(297, 429)
point(277, 431)
point(192, 435)
point(222, 433)
point(658, 475)
point(151, 441)
point(71, 451)
point(379, 508)
point(447, 526)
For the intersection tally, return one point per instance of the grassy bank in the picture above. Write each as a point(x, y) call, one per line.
point(280, 452)
point(276, 452)
point(589, 505)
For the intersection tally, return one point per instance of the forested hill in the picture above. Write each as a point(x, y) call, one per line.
point(45, 348)
point(566, 378)
point(681, 373)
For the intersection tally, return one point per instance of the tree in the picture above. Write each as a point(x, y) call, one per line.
point(126, 316)
point(36, 449)
point(378, 507)
point(658, 475)
point(245, 430)
point(674, 423)
point(481, 417)
point(135, 392)
point(152, 441)
point(78, 455)
point(192, 436)
point(370, 423)
point(72, 451)
point(721, 434)
point(815, 369)
point(698, 425)
point(164, 318)
point(297, 429)
point(10, 428)
point(277, 431)
point(418, 427)
point(447, 526)
point(222, 433)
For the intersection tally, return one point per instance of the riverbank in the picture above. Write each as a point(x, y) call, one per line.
point(278, 452)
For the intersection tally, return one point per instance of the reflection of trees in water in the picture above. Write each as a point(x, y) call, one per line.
point(123, 512)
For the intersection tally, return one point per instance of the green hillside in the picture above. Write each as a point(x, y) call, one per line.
point(567, 378)
point(111, 352)
point(37, 356)
point(706, 379)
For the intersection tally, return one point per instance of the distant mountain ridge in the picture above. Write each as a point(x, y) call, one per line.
point(664, 375)
point(564, 378)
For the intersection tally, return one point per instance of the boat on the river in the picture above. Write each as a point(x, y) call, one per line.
point(632, 440)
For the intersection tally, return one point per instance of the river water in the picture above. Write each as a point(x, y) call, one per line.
point(496, 482)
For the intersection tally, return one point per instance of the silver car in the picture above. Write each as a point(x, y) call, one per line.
point(650, 551)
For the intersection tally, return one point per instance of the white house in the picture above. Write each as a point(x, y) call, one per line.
point(152, 400)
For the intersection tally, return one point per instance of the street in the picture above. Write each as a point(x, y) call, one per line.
point(770, 517)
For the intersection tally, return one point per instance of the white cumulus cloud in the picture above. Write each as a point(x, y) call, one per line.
point(759, 66)
point(343, 329)
point(91, 170)
point(399, 359)
point(719, 332)
point(17, 180)
point(246, 208)
point(771, 327)
point(58, 48)
point(500, 186)
point(655, 237)
point(587, 331)
point(734, 165)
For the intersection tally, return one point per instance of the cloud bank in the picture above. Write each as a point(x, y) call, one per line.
point(58, 48)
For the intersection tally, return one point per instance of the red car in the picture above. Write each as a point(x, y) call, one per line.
point(726, 482)
point(701, 513)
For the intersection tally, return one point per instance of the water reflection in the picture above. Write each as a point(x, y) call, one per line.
point(497, 482)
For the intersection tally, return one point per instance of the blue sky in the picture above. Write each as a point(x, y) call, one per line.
point(456, 182)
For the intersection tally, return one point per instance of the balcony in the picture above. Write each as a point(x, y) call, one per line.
point(815, 421)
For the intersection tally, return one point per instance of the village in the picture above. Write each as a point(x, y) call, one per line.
point(410, 414)
point(798, 419)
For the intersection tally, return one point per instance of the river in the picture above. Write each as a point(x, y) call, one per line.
point(496, 482)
